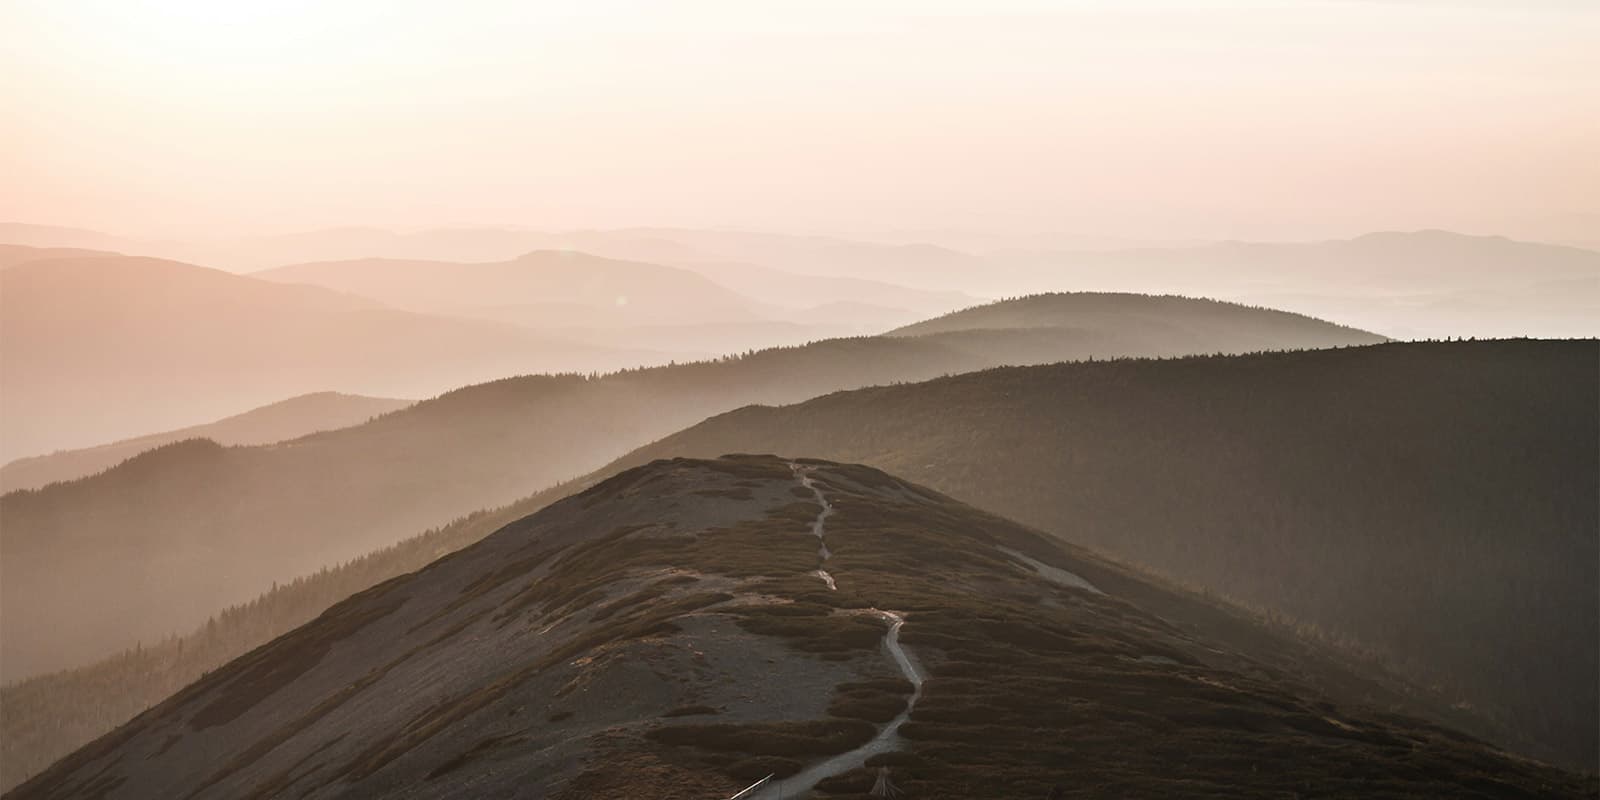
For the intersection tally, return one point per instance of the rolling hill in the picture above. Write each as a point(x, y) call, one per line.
point(277, 422)
point(585, 298)
point(1159, 318)
point(99, 349)
point(689, 627)
point(811, 291)
point(545, 288)
point(1428, 504)
point(13, 254)
point(1416, 284)
point(182, 531)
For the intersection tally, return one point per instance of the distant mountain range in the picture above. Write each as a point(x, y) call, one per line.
point(689, 627)
point(181, 531)
point(1419, 284)
point(544, 288)
point(820, 274)
point(277, 422)
point(616, 303)
point(177, 343)
point(99, 349)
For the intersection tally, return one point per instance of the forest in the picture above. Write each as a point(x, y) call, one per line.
point(1245, 488)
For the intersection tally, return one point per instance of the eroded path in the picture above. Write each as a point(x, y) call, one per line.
point(886, 739)
point(817, 526)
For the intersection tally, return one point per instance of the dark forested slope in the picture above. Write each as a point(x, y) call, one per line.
point(691, 626)
point(1432, 502)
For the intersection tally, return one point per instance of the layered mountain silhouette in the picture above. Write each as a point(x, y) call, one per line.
point(816, 292)
point(918, 265)
point(1516, 556)
point(277, 422)
point(98, 349)
point(816, 284)
point(13, 254)
point(688, 627)
point(1158, 319)
point(1408, 284)
point(187, 529)
point(547, 288)
point(605, 301)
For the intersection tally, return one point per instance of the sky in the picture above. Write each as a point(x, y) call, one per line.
point(1146, 119)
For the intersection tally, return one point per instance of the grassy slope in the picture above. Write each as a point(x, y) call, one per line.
point(1431, 503)
point(1028, 685)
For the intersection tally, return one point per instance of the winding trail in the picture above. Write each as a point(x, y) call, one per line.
point(886, 739)
point(800, 472)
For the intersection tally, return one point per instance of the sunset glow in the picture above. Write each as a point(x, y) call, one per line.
point(1251, 119)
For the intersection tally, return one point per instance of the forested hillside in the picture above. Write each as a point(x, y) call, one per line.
point(180, 532)
point(1431, 502)
point(1091, 470)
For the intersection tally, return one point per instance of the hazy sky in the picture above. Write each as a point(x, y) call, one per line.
point(1104, 117)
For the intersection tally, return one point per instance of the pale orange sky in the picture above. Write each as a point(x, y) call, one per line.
point(1137, 118)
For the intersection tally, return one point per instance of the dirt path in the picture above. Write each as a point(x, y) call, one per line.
point(888, 738)
point(817, 526)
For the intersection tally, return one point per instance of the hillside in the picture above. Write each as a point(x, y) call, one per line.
point(1157, 317)
point(702, 624)
point(747, 263)
point(584, 298)
point(277, 422)
point(1469, 562)
point(811, 291)
point(1417, 284)
point(1406, 284)
point(100, 349)
point(708, 308)
point(13, 254)
point(181, 532)
point(544, 288)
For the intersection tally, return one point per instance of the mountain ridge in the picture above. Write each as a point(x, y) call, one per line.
point(576, 652)
point(1266, 449)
